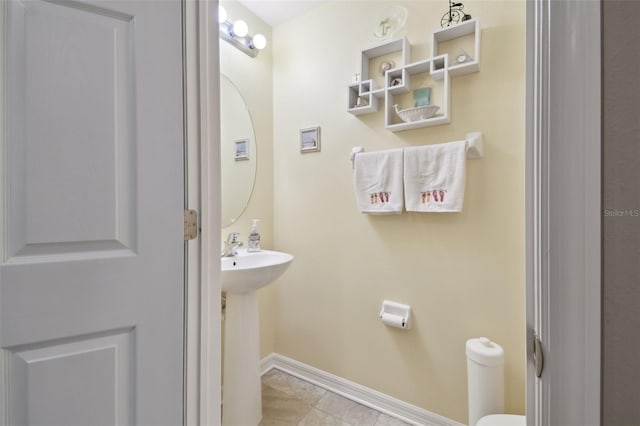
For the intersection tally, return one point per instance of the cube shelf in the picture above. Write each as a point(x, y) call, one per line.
point(469, 65)
point(364, 96)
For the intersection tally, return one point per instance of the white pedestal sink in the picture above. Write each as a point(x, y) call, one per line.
point(242, 275)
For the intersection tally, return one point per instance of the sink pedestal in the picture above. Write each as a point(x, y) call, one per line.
point(242, 275)
point(242, 391)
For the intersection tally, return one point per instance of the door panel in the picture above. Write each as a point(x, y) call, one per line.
point(84, 381)
point(72, 129)
point(91, 272)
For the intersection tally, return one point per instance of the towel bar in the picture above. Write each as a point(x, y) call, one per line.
point(354, 151)
point(473, 147)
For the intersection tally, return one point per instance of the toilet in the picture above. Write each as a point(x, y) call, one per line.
point(485, 378)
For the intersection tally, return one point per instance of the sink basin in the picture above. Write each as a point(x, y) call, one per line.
point(247, 272)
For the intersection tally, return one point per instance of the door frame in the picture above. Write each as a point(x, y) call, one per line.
point(563, 232)
point(203, 356)
point(563, 226)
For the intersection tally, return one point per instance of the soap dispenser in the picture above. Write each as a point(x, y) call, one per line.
point(254, 237)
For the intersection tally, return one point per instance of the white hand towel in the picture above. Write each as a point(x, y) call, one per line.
point(434, 177)
point(378, 182)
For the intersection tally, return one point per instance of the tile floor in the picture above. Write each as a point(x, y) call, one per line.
point(289, 401)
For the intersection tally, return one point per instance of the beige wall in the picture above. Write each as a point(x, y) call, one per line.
point(463, 274)
point(253, 78)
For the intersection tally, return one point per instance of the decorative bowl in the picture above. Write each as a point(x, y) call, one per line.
point(417, 113)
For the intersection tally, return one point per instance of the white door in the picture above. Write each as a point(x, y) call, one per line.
point(91, 253)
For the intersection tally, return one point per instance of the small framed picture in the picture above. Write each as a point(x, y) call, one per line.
point(310, 139)
point(241, 149)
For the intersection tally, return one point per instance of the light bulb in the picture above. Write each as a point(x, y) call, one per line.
point(259, 41)
point(240, 28)
point(222, 14)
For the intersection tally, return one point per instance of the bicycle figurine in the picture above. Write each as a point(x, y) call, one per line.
point(454, 15)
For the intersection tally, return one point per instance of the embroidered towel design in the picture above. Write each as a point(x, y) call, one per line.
point(378, 182)
point(434, 177)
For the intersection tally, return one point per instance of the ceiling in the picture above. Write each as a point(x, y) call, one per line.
point(275, 12)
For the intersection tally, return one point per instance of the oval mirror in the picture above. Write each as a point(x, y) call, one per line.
point(237, 150)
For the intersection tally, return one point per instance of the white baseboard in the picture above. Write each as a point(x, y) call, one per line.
point(377, 400)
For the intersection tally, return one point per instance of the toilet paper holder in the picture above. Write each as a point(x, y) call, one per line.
point(396, 314)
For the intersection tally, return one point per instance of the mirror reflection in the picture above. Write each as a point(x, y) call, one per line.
point(238, 152)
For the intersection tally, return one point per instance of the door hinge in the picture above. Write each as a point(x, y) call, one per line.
point(190, 225)
point(538, 357)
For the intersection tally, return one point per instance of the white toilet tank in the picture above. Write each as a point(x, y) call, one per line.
point(485, 378)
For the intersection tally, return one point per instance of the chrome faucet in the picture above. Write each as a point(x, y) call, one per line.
point(231, 245)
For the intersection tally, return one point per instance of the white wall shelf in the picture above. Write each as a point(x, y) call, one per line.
point(444, 63)
point(400, 47)
point(414, 71)
point(364, 95)
point(472, 64)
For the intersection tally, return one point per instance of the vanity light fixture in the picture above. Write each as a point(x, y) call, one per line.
point(237, 34)
point(240, 28)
